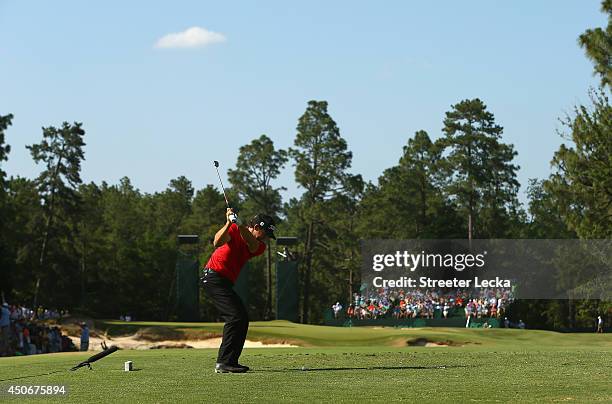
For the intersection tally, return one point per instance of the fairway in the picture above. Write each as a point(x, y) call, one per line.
point(368, 365)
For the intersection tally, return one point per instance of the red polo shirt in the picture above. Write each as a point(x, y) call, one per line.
point(229, 259)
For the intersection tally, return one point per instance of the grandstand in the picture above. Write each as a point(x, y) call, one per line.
point(423, 308)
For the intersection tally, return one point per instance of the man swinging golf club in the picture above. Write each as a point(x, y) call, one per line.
point(234, 245)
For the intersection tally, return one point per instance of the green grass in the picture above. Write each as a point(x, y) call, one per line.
point(365, 365)
point(322, 336)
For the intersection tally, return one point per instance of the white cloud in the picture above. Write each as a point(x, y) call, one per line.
point(194, 37)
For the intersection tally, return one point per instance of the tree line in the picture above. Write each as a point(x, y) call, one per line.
point(107, 249)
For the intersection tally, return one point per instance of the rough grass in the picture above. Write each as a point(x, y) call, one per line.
point(490, 365)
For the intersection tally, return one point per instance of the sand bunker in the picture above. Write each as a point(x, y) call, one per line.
point(132, 342)
point(427, 343)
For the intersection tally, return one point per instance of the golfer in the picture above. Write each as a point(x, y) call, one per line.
point(234, 245)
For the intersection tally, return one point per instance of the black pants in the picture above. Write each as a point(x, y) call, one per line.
point(221, 292)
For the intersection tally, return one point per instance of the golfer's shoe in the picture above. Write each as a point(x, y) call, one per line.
point(225, 368)
point(246, 368)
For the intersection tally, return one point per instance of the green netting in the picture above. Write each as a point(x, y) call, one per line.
point(479, 323)
point(187, 289)
point(287, 290)
point(242, 284)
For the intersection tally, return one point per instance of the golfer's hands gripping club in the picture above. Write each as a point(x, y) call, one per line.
point(231, 216)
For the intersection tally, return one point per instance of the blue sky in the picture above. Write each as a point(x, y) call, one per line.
point(387, 69)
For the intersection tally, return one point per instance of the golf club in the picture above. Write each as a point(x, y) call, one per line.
point(95, 357)
point(233, 216)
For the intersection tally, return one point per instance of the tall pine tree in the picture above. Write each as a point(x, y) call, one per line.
point(597, 44)
point(258, 164)
point(481, 176)
point(61, 152)
point(321, 161)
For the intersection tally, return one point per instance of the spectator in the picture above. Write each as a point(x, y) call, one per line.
point(336, 307)
point(19, 333)
point(599, 325)
point(27, 341)
point(43, 339)
point(55, 338)
point(84, 337)
point(417, 303)
point(5, 328)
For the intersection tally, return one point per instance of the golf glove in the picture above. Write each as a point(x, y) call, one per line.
point(235, 219)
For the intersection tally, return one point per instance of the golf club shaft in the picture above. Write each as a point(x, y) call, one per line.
point(233, 217)
point(222, 187)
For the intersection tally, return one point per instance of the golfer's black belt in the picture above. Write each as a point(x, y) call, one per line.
point(216, 278)
point(205, 273)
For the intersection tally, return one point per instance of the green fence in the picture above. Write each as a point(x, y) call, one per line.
point(187, 289)
point(241, 287)
point(287, 290)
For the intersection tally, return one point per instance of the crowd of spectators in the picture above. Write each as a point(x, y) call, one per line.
point(19, 312)
point(430, 303)
point(24, 331)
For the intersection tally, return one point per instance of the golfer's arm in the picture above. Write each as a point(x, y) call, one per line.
point(222, 235)
point(251, 241)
